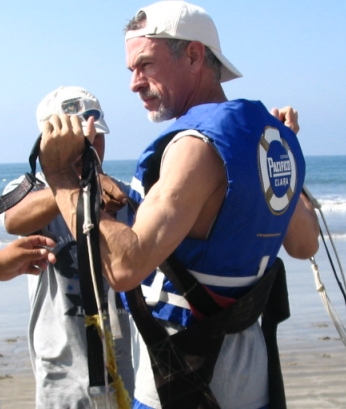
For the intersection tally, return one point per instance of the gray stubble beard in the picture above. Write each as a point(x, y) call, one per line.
point(162, 114)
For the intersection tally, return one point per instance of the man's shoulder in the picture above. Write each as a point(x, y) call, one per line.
point(200, 114)
point(243, 106)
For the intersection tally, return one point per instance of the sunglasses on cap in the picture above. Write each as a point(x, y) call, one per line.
point(75, 107)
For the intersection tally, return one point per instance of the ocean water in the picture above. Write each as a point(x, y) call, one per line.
point(325, 179)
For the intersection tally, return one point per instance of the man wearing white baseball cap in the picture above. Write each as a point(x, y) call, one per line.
point(57, 334)
point(219, 193)
point(183, 21)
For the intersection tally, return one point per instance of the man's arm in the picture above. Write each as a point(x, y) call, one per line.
point(39, 208)
point(169, 213)
point(32, 213)
point(301, 240)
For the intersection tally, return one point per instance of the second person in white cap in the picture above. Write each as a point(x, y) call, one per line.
point(57, 334)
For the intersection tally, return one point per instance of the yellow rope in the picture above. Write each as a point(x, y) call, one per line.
point(121, 394)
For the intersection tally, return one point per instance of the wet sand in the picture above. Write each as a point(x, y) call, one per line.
point(315, 374)
point(17, 383)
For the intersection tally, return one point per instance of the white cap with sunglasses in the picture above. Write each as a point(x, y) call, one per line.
point(71, 101)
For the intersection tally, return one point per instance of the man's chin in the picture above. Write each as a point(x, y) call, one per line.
point(154, 118)
point(160, 116)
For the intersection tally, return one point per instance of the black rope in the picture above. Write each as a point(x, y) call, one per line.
point(333, 267)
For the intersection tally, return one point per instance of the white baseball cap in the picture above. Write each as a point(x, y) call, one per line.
point(72, 101)
point(184, 21)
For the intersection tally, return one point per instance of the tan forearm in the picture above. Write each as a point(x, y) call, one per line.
point(65, 188)
point(119, 244)
point(301, 239)
point(32, 213)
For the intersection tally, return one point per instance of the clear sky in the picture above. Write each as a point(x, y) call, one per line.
point(289, 52)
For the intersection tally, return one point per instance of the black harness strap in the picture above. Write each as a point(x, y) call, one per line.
point(29, 182)
point(189, 287)
point(183, 363)
point(182, 368)
point(276, 310)
point(16, 195)
point(184, 282)
point(95, 351)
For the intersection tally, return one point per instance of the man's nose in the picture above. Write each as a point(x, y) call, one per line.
point(138, 81)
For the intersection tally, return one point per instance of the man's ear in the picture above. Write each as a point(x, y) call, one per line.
point(195, 52)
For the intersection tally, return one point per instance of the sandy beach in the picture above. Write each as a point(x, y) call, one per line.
point(17, 383)
point(312, 355)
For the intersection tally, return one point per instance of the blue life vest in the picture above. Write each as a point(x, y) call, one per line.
point(265, 171)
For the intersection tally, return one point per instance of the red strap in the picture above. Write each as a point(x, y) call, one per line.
point(221, 300)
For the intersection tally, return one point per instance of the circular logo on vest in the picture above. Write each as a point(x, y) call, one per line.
point(277, 170)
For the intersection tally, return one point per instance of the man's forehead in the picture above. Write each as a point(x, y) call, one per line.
point(138, 48)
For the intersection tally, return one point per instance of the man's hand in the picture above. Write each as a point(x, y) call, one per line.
point(62, 145)
point(26, 255)
point(113, 199)
point(288, 116)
